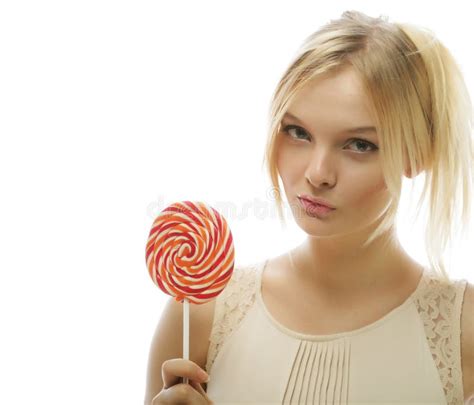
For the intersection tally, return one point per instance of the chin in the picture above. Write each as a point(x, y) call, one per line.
point(314, 226)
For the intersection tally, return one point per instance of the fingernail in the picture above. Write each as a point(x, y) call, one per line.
point(203, 375)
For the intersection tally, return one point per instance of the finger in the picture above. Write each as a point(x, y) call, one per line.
point(181, 394)
point(198, 387)
point(173, 369)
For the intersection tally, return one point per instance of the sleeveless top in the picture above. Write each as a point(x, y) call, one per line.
point(412, 355)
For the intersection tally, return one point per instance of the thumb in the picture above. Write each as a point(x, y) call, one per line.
point(199, 389)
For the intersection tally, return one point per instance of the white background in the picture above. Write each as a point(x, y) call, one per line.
point(109, 112)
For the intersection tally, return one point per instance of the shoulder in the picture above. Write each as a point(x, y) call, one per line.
point(243, 279)
point(229, 308)
point(467, 340)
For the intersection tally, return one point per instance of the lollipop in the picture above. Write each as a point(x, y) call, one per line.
point(190, 256)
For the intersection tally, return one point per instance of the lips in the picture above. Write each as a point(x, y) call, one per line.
point(315, 210)
point(316, 201)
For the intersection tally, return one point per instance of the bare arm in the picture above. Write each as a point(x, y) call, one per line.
point(167, 341)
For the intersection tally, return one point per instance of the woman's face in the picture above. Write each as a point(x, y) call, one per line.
point(318, 155)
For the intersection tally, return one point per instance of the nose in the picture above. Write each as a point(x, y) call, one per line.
point(320, 171)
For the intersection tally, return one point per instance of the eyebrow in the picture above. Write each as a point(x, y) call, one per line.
point(357, 130)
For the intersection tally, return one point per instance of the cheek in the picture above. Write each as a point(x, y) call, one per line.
point(371, 191)
point(278, 156)
point(288, 166)
point(379, 186)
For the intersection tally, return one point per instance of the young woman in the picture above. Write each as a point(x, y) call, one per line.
point(348, 316)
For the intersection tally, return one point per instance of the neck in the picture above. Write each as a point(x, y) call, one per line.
point(341, 264)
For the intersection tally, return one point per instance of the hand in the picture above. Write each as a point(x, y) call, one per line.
point(174, 391)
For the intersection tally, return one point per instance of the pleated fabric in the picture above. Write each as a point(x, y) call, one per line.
point(409, 356)
point(320, 374)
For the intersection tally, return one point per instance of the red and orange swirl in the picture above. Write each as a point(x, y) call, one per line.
point(190, 252)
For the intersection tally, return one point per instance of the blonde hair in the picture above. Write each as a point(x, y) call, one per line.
point(422, 111)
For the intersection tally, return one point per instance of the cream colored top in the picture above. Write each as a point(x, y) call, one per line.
point(409, 356)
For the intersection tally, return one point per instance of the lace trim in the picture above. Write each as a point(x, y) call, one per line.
point(439, 304)
point(231, 307)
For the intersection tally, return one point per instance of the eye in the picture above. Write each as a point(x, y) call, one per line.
point(366, 146)
point(370, 145)
point(288, 128)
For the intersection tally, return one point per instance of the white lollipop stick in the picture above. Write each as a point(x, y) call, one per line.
point(185, 334)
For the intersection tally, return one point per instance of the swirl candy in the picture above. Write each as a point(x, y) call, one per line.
point(190, 252)
point(190, 256)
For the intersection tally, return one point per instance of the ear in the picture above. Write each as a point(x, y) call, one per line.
point(408, 172)
point(411, 175)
